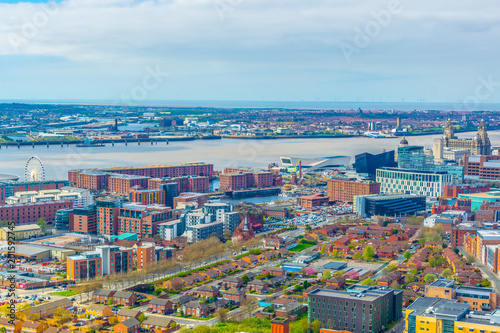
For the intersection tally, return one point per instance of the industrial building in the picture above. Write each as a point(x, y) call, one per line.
point(389, 205)
point(316, 164)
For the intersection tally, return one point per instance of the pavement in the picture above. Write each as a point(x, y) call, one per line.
point(399, 327)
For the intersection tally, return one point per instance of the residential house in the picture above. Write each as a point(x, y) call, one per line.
point(47, 309)
point(251, 259)
point(124, 298)
point(99, 310)
point(207, 291)
point(174, 284)
point(211, 273)
point(161, 306)
point(33, 327)
point(258, 286)
point(342, 241)
point(159, 325)
point(218, 304)
point(14, 327)
point(232, 282)
point(102, 295)
point(128, 326)
point(277, 280)
point(234, 295)
point(124, 314)
point(388, 279)
point(195, 309)
point(268, 256)
point(274, 271)
point(337, 282)
point(241, 263)
point(387, 252)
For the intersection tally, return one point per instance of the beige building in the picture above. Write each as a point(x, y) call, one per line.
point(21, 232)
point(479, 145)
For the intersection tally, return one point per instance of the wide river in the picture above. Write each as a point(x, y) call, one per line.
point(58, 160)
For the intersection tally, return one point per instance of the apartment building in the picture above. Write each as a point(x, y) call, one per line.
point(83, 267)
point(345, 189)
point(30, 213)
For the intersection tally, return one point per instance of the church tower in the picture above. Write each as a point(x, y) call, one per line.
point(483, 141)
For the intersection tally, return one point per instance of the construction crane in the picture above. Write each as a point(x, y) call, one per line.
point(294, 170)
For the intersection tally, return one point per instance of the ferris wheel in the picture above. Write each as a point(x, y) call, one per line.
point(34, 171)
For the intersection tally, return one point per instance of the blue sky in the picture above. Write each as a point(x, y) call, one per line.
point(321, 50)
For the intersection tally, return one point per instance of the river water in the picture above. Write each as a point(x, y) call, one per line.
point(58, 160)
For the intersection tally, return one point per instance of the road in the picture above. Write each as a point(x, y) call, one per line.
point(494, 280)
point(399, 327)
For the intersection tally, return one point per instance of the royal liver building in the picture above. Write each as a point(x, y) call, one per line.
point(479, 145)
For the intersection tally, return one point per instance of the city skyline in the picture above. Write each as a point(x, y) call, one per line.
point(136, 51)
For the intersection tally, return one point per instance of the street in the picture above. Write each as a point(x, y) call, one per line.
point(494, 280)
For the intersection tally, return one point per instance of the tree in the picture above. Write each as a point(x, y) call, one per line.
point(335, 253)
point(340, 273)
point(485, 283)
point(469, 258)
point(407, 255)
point(315, 326)
point(306, 284)
point(327, 275)
point(356, 256)
point(142, 317)
point(432, 262)
point(245, 278)
point(308, 227)
point(42, 224)
point(227, 234)
point(367, 282)
point(447, 273)
point(368, 253)
point(110, 301)
point(248, 306)
point(389, 268)
point(113, 321)
point(222, 315)
point(409, 278)
point(413, 271)
point(323, 248)
point(429, 278)
point(444, 245)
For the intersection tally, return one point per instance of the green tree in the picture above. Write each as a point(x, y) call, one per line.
point(335, 253)
point(447, 273)
point(368, 253)
point(142, 317)
point(356, 256)
point(413, 271)
point(113, 321)
point(245, 278)
point(315, 326)
point(429, 278)
point(409, 278)
point(485, 283)
point(306, 284)
point(222, 315)
point(42, 224)
point(432, 262)
point(308, 228)
point(407, 255)
point(327, 275)
point(323, 248)
point(367, 282)
point(340, 273)
point(110, 301)
point(389, 268)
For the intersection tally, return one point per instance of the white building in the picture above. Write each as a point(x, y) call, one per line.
point(80, 197)
point(428, 183)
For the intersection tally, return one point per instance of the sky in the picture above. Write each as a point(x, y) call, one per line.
point(255, 50)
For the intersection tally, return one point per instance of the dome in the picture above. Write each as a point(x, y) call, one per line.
point(404, 141)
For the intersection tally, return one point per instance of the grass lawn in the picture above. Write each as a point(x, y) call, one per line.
point(67, 293)
point(301, 247)
point(259, 325)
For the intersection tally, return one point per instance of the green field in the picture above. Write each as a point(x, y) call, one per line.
point(301, 247)
point(67, 293)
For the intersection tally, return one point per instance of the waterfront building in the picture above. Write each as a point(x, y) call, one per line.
point(62, 219)
point(345, 189)
point(313, 200)
point(97, 178)
point(198, 184)
point(414, 158)
point(107, 215)
point(428, 183)
point(244, 180)
point(389, 205)
point(123, 183)
point(142, 219)
point(79, 197)
point(359, 309)
point(366, 164)
point(480, 145)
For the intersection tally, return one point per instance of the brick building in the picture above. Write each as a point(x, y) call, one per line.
point(482, 167)
point(124, 183)
point(313, 200)
point(31, 212)
point(83, 220)
point(147, 197)
point(451, 191)
point(243, 180)
point(345, 189)
point(198, 184)
point(199, 198)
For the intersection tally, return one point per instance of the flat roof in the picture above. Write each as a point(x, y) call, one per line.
point(26, 250)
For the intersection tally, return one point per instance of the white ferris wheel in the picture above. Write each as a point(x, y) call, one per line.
point(34, 171)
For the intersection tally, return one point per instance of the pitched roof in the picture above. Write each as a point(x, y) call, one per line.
point(103, 292)
point(130, 322)
point(159, 301)
point(129, 312)
point(158, 321)
point(123, 294)
point(196, 305)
